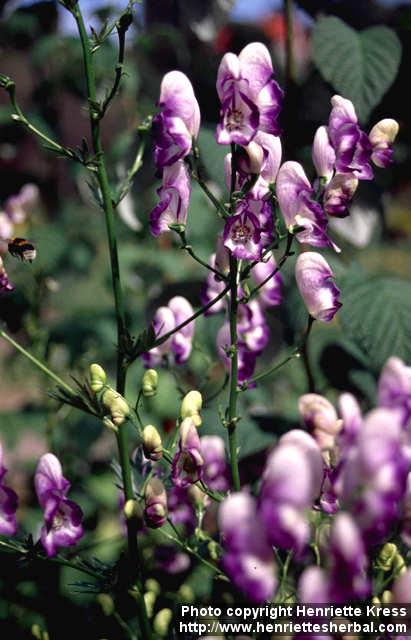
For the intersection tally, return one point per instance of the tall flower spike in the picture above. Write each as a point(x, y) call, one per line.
point(315, 283)
point(179, 120)
point(174, 199)
point(63, 517)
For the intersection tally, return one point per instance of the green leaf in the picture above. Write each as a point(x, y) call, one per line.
point(376, 316)
point(360, 66)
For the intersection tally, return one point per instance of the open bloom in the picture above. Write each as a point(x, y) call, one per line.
point(315, 283)
point(250, 97)
point(262, 157)
point(320, 418)
point(187, 466)
point(351, 145)
point(338, 194)
point(174, 199)
point(299, 208)
point(382, 136)
point(63, 517)
point(248, 558)
point(8, 503)
point(179, 119)
point(242, 235)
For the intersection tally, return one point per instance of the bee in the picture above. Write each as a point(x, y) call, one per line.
point(22, 248)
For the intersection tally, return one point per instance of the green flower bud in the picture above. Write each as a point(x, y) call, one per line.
point(191, 407)
point(98, 377)
point(150, 599)
point(152, 444)
point(149, 383)
point(162, 621)
point(152, 585)
point(213, 550)
point(106, 603)
point(116, 404)
point(186, 593)
point(386, 597)
point(386, 556)
point(133, 510)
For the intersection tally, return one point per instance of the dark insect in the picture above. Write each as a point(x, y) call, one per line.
point(22, 248)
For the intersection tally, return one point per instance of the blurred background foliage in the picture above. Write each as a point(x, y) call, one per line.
point(62, 308)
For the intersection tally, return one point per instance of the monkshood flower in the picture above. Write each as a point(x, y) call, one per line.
point(351, 416)
point(320, 418)
point(299, 208)
point(315, 281)
point(246, 357)
point(382, 137)
point(345, 579)
point(5, 285)
point(291, 482)
point(63, 517)
point(250, 97)
point(179, 344)
point(174, 199)
point(8, 503)
point(351, 145)
point(215, 470)
point(338, 194)
point(372, 482)
point(155, 498)
point(242, 234)
point(271, 293)
point(181, 510)
point(248, 558)
point(394, 387)
point(187, 466)
point(179, 119)
point(252, 327)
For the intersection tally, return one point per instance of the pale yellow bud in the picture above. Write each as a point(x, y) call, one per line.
point(191, 407)
point(152, 585)
point(150, 599)
point(152, 444)
point(162, 621)
point(116, 404)
point(133, 510)
point(386, 556)
point(386, 597)
point(149, 383)
point(109, 424)
point(98, 377)
point(106, 603)
point(186, 593)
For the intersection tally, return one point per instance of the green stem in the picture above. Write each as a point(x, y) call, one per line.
point(107, 200)
point(268, 372)
point(187, 247)
point(125, 186)
point(232, 418)
point(39, 365)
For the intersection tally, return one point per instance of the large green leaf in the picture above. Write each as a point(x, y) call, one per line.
point(376, 316)
point(360, 66)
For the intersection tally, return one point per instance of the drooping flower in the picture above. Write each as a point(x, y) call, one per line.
point(155, 498)
point(291, 482)
point(250, 97)
point(187, 466)
point(215, 471)
point(179, 344)
point(338, 194)
point(242, 235)
point(323, 155)
point(248, 558)
point(299, 208)
point(8, 503)
point(351, 145)
point(179, 119)
point(63, 517)
point(262, 158)
point(382, 136)
point(174, 199)
point(316, 285)
point(271, 293)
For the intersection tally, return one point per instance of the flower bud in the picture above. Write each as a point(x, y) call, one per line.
point(98, 377)
point(149, 383)
point(133, 511)
point(386, 556)
point(382, 137)
point(152, 585)
point(162, 621)
point(386, 597)
point(109, 424)
point(106, 603)
point(149, 600)
point(191, 407)
point(116, 404)
point(323, 154)
point(152, 445)
point(155, 512)
point(317, 288)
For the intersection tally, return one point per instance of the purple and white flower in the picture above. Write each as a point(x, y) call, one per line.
point(63, 517)
point(320, 418)
point(180, 343)
point(271, 293)
point(174, 199)
point(338, 194)
point(394, 387)
point(187, 466)
point(155, 498)
point(179, 119)
point(299, 208)
point(242, 235)
point(215, 470)
point(382, 137)
point(315, 281)
point(323, 155)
